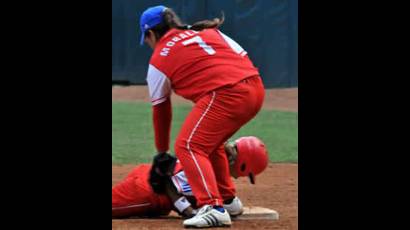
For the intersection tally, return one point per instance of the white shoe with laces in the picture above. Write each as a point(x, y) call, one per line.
point(207, 216)
point(235, 208)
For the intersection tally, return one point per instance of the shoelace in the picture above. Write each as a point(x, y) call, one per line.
point(204, 209)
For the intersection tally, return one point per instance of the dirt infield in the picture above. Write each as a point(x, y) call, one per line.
point(276, 188)
point(278, 99)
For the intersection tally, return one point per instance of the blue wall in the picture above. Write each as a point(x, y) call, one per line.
point(267, 29)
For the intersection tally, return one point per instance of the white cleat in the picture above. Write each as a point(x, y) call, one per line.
point(235, 208)
point(207, 216)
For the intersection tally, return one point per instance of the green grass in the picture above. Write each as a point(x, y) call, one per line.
point(133, 135)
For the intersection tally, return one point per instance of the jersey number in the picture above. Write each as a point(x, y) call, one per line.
point(201, 43)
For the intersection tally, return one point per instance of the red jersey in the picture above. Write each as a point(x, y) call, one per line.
point(194, 63)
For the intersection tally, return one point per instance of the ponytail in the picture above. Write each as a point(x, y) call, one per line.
point(172, 21)
point(205, 24)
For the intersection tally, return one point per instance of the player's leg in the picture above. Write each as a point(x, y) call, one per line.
point(200, 136)
point(193, 146)
point(213, 119)
point(219, 158)
point(226, 187)
point(233, 107)
point(220, 165)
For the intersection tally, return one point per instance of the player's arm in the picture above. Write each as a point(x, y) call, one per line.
point(162, 116)
point(180, 202)
point(159, 87)
point(160, 90)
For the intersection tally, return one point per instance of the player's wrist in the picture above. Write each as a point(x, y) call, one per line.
point(182, 204)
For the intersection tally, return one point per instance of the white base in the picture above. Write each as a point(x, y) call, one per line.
point(257, 213)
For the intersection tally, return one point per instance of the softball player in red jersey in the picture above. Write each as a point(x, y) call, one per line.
point(203, 65)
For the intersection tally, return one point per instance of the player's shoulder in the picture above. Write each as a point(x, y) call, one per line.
point(162, 48)
point(158, 63)
point(157, 58)
point(213, 34)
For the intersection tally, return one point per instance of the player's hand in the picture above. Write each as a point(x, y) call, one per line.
point(161, 170)
point(164, 164)
point(189, 213)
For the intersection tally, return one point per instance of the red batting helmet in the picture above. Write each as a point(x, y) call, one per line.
point(252, 157)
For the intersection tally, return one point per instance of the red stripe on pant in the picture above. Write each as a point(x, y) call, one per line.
point(134, 196)
point(215, 118)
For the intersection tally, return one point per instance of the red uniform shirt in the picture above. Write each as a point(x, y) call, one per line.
point(194, 63)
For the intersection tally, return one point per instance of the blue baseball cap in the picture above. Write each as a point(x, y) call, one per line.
point(150, 18)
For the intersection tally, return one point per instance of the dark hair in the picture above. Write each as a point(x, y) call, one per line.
point(172, 21)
